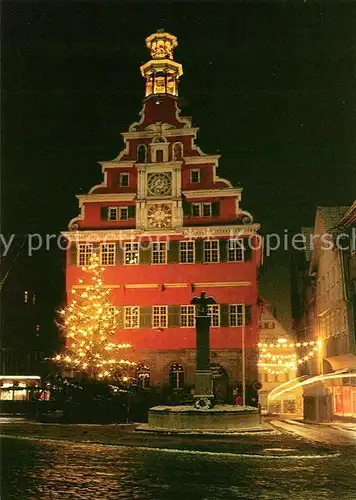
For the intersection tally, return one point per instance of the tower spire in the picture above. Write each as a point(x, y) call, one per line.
point(161, 72)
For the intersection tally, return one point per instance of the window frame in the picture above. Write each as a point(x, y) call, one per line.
point(159, 253)
point(207, 204)
point(121, 209)
point(108, 254)
point(234, 251)
point(237, 315)
point(187, 252)
point(131, 251)
point(87, 255)
point(159, 317)
point(215, 316)
point(187, 315)
point(199, 209)
point(130, 318)
point(194, 171)
point(209, 251)
point(113, 210)
point(124, 175)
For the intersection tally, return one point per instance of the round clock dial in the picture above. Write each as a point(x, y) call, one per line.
point(159, 215)
point(159, 184)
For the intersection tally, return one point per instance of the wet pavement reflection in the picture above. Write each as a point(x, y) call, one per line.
point(44, 469)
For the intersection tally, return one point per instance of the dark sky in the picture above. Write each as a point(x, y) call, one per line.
point(271, 86)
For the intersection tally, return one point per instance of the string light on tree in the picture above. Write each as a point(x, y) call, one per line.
point(88, 324)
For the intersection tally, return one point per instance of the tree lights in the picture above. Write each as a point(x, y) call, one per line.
point(273, 360)
point(88, 324)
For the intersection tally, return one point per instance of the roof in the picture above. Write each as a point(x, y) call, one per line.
point(331, 216)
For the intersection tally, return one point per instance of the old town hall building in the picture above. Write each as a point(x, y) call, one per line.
point(168, 227)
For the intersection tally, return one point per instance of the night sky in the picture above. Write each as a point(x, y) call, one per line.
point(271, 86)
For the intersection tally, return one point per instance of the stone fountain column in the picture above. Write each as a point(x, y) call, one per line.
point(203, 396)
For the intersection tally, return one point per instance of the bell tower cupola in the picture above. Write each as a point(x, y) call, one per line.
point(161, 73)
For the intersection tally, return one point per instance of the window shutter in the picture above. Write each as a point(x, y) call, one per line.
point(199, 250)
point(104, 213)
point(247, 249)
point(173, 316)
point(73, 254)
point(224, 314)
point(173, 252)
point(223, 250)
point(248, 314)
point(119, 318)
point(131, 211)
point(146, 317)
point(187, 209)
point(215, 208)
point(119, 254)
point(145, 255)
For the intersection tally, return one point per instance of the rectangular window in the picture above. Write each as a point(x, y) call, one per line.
point(159, 253)
point(85, 251)
point(107, 254)
point(131, 317)
point(195, 176)
point(124, 180)
point(196, 212)
point(187, 250)
point(236, 315)
point(187, 315)
point(207, 212)
point(159, 315)
point(132, 254)
point(123, 213)
point(214, 313)
point(112, 213)
point(235, 250)
point(211, 251)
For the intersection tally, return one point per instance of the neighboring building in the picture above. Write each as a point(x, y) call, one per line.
point(167, 227)
point(272, 376)
point(326, 311)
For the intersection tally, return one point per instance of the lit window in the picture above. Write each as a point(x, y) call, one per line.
point(132, 254)
point(196, 210)
point(176, 376)
point(207, 210)
point(108, 254)
point(187, 316)
point(159, 315)
point(211, 251)
point(195, 176)
point(143, 377)
point(112, 213)
point(123, 213)
point(159, 253)
point(214, 313)
point(235, 250)
point(236, 315)
point(37, 328)
point(131, 317)
point(25, 297)
point(187, 252)
point(34, 299)
point(124, 180)
point(85, 251)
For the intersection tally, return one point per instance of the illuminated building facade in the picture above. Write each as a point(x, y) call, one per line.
point(325, 309)
point(168, 227)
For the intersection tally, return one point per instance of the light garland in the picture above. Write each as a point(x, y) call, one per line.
point(285, 362)
point(88, 323)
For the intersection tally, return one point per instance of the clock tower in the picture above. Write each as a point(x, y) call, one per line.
point(167, 227)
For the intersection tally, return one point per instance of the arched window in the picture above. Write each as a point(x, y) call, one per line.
point(141, 156)
point(159, 155)
point(143, 376)
point(176, 376)
point(177, 151)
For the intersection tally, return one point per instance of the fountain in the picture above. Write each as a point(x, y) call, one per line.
point(203, 416)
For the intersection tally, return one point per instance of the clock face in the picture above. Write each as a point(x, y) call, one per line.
point(159, 184)
point(159, 215)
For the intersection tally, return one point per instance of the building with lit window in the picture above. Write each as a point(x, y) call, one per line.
point(168, 227)
point(324, 309)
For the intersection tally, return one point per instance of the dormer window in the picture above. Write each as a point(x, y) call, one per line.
point(124, 180)
point(195, 176)
point(141, 156)
point(177, 151)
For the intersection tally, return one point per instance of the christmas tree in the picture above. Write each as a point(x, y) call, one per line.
point(88, 325)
